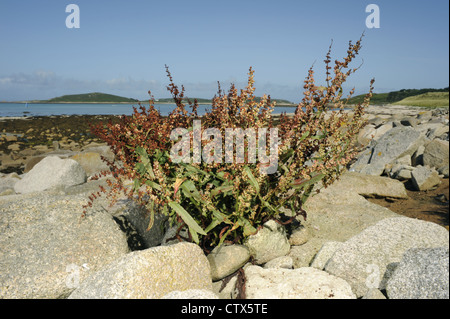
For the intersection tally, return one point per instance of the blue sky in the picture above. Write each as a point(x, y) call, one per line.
point(121, 47)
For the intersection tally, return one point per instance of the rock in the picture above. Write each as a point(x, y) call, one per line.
point(10, 161)
point(139, 218)
point(405, 160)
point(268, 243)
point(325, 253)
point(373, 132)
point(299, 236)
point(417, 158)
point(444, 171)
point(425, 116)
point(169, 235)
point(409, 121)
point(31, 162)
point(8, 181)
point(55, 145)
point(337, 214)
point(425, 178)
point(304, 254)
point(394, 144)
point(149, 274)
point(441, 198)
point(441, 132)
point(7, 192)
point(380, 131)
point(280, 262)
point(376, 121)
point(41, 148)
point(374, 294)
point(229, 291)
point(10, 138)
point(366, 134)
point(91, 162)
point(14, 147)
point(225, 260)
point(191, 294)
point(363, 259)
point(436, 130)
point(436, 154)
point(50, 172)
point(300, 283)
point(421, 274)
point(403, 174)
point(102, 150)
point(47, 249)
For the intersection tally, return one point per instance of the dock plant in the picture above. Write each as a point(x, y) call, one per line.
point(230, 200)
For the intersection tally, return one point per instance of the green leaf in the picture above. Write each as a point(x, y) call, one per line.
point(221, 189)
point(153, 185)
point(136, 185)
point(247, 227)
point(252, 178)
point(194, 228)
point(190, 191)
point(144, 165)
point(213, 224)
point(305, 135)
point(305, 183)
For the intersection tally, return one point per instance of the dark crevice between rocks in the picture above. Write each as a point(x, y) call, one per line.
point(134, 240)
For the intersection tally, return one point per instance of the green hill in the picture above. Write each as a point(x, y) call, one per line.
point(394, 96)
point(430, 99)
point(94, 97)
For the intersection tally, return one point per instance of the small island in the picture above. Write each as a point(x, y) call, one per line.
point(94, 97)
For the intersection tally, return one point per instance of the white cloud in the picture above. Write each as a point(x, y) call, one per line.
point(44, 84)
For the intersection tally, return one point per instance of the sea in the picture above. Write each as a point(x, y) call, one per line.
point(41, 109)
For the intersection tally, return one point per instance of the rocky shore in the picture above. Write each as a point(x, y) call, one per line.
point(349, 247)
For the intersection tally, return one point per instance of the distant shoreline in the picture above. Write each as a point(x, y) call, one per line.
point(125, 103)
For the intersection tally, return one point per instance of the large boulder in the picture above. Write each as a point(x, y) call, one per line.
point(325, 253)
point(363, 260)
point(300, 283)
point(423, 273)
point(335, 214)
point(225, 260)
point(425, 178)
point(91, 162)
point(7, 182)
point(50, 172)
point(268, 243)
point(149, 274)
point(47, 248)
point(436, 154)
point(372, 186)
point(33, 160)
point(394, 144)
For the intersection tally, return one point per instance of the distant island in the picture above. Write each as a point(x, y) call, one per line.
point(408, 97)
point(279, 102)
point(94, 97)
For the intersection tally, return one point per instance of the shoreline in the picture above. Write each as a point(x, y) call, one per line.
point(126, 103)
point(379, 110)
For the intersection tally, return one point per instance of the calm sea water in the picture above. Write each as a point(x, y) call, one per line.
point(19, 110)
